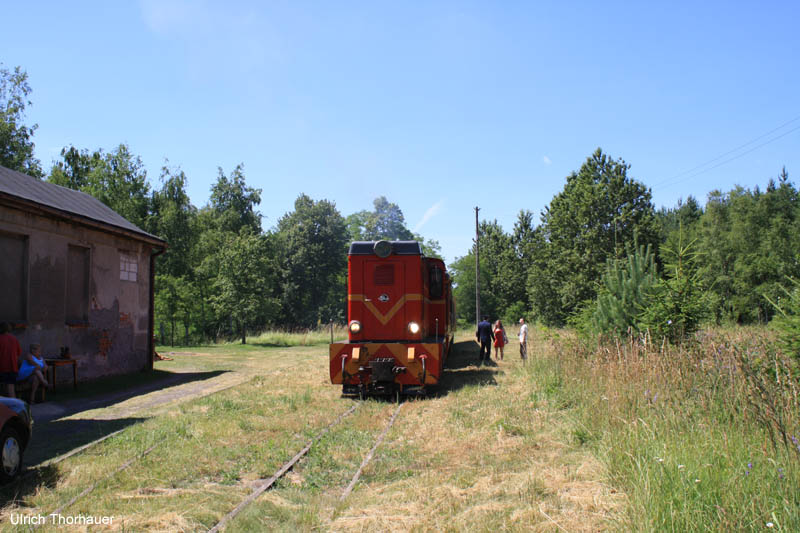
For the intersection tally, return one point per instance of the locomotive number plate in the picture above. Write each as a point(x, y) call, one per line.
point(383, 297)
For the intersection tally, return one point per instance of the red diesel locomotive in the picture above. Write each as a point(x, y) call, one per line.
point(401, 319)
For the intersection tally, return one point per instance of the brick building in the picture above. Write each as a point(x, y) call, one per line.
point(75, 273)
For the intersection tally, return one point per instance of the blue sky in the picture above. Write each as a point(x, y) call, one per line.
point(439, 106)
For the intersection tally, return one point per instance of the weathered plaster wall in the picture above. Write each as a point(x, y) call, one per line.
point(114, 339)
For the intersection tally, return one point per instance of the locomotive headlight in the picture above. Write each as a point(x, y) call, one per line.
point(413, 327)
point(355, 326)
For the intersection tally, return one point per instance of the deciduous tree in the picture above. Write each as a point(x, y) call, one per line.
point(16, 144)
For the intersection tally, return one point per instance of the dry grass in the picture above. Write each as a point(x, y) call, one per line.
point(698, 436)
point(493, 452)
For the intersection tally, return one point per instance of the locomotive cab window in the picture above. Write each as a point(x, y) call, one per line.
point(435, 282)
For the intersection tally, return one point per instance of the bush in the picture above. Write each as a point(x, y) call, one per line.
point(626, 287)
point(678, 303)
point(787, 321)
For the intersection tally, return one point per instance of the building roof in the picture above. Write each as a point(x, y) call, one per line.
point(67, 201)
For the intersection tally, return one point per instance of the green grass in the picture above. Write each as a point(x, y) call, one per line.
point(273, 338)
point(626, 436)
point(682, 431)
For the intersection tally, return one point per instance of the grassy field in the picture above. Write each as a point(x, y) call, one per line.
point(491, 452)
point(621, 436)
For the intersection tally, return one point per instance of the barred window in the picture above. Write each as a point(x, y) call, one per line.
point(128, 267)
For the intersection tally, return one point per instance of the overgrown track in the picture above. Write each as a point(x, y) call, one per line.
point(263, 487)
point(368, 458)
point(280, 472)
point(94, 485)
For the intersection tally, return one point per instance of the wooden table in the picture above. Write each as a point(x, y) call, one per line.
point(53, 363)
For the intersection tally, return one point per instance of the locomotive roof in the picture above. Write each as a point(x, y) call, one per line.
point(398, 248)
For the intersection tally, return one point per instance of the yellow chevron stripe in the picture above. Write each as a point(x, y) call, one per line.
point(384, 319)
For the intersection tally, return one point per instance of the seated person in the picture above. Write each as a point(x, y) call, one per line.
point(33, 368)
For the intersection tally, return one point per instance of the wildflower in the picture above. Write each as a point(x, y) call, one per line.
point(770, 524)
point(669, 322)
point(697, 481)
point(681, 467)
point(780, 473)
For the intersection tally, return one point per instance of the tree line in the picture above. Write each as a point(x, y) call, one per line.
point(600, 257)
point(222, 275)
point(601, 249)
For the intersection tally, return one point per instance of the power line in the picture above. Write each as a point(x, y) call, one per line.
point(696, 171)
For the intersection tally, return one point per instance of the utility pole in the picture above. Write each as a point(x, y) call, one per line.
point(477, 270)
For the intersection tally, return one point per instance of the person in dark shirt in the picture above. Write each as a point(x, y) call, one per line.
point(485, 337)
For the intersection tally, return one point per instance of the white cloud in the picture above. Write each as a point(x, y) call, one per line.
point(547, 161)
point(429, 214)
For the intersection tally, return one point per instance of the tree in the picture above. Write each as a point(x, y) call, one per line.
point(684, 217)
point(463, 275)
point(173, 218)
point(16, 144)
point(625, 292)
point(677, 303)
point(75, 168)
point(312, 241)
point(589, 222)
point(749, 241)
point(386, 221)
point(118, 179)
point(234, 203)
point(245, 281)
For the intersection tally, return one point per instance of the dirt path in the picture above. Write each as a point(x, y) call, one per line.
point(59, 427)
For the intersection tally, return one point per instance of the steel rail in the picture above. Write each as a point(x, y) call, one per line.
point(368, 458)
point(263, 487)
point(94, 485)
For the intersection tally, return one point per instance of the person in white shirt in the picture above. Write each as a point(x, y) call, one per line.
point(523, 339)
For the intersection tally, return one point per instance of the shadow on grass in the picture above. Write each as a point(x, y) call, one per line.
point(106, 392)
point(461, 369)
point(50, 440)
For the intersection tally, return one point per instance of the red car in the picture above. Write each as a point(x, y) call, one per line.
point(15, 432)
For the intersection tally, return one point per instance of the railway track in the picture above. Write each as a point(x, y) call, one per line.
point(263, 487)
point(94, 485)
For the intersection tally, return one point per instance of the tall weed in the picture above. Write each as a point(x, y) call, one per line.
point(700, 436)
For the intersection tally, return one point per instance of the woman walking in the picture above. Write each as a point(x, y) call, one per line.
point(500, 339)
